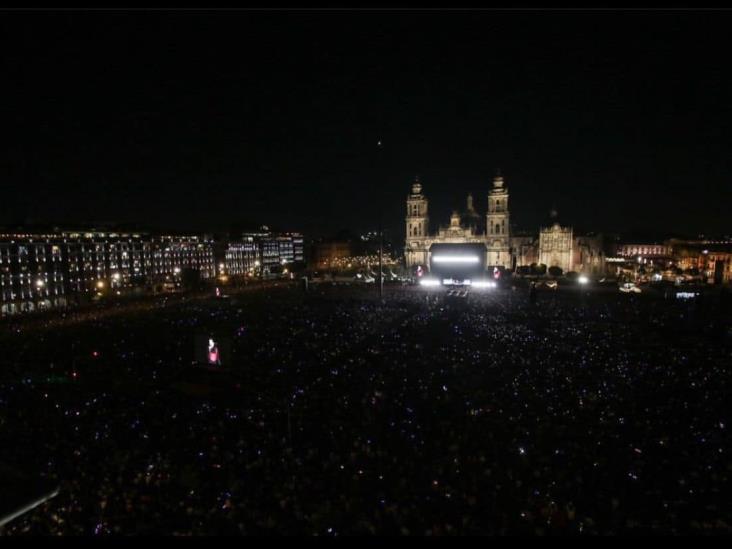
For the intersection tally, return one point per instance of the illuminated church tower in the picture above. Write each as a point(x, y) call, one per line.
point(497, 225)
point(417, 226)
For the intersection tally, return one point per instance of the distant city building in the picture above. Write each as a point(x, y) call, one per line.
point(298, 247)
point(55, 269)
point(237, 257)
point(703, 260)
point(654, 250)
point(712, 258)
point(277, 249)
point(39, 271)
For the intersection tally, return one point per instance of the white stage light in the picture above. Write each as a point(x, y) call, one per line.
point(583, 279)
point(429, 282)
point(456, 259)
point(483, 284)
point(453, 282)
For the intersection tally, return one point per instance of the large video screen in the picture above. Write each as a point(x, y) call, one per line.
point(457, 261)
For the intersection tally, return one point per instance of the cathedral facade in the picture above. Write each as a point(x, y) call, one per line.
point(553, 246)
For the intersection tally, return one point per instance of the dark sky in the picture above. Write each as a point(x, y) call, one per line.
point(201, 120)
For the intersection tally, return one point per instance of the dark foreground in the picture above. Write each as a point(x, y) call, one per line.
point(593, 414)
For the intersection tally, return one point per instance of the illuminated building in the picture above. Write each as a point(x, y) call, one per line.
point(298, 247)
point(555, 245)
point(39, 271)
point(31, 273)
point(496, 238)
point(276, 249)
point(238, 257)
point(651, 251)
point(285, 249)
point(703, 260)
point(712, 258)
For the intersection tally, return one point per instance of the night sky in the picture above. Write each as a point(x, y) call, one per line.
point(204, 121)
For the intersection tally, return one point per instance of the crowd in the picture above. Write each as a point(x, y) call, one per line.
point(425, 414)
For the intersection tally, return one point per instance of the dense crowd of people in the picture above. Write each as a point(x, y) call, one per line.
point(337, 413)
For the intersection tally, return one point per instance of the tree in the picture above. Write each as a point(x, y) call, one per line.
point(555, 271)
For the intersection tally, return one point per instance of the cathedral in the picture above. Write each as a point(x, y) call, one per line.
point(554, 246)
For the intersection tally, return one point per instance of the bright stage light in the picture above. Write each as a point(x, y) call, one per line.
point(429, 282)
point(456, 259)
point(583, 279)
point(483, 284)
point(452, 282)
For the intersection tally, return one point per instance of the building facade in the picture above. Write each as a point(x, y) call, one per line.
point(711, 258)
point(276, 249)
point(39, 271)
point(237, 257)
point(55, 269)
point(462, 229)
point(649, 250)
point(498, 233)
point(553, 246)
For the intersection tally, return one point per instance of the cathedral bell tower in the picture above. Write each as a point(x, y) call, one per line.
point(417, 226)
point(497, 228)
